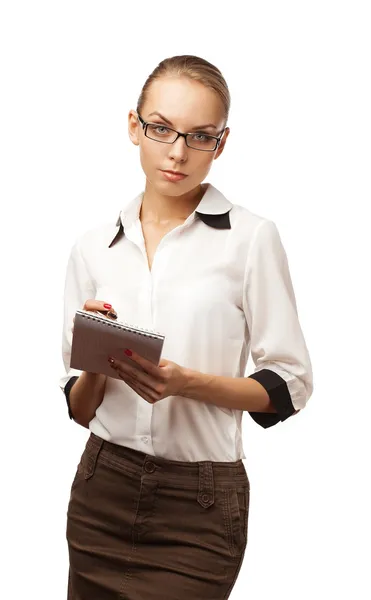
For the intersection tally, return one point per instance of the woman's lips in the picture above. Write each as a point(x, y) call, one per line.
point(173, 176)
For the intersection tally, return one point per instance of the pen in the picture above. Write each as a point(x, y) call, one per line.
point(108, 314)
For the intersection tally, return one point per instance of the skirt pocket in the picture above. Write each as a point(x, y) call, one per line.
point(236, 508)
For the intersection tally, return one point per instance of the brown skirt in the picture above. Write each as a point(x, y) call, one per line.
point(142, 527)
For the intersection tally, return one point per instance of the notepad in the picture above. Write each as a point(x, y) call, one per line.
point(96, 337)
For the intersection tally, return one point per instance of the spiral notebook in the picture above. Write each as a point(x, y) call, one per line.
point(97, 337)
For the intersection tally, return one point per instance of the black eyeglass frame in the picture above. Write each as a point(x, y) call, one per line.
point(146, 123)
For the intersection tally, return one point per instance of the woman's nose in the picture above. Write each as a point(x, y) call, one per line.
point(178, 149)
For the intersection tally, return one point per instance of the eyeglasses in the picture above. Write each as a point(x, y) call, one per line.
point(166, 135)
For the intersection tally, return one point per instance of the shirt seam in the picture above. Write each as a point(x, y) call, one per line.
point(249, 253)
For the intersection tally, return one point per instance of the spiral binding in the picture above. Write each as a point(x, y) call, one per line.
point(152, 333)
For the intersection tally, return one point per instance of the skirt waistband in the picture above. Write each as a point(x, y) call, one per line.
point(135, 460)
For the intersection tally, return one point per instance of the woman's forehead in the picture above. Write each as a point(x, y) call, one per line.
point(181, 100)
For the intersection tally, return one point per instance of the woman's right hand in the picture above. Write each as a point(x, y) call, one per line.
point(94, 305)
point(87, 393)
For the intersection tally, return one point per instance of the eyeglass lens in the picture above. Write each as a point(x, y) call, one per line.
point(199, 141)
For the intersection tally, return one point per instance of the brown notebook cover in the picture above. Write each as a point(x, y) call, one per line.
point(97, 337)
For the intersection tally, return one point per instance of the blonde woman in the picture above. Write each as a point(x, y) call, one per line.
point(160, 501)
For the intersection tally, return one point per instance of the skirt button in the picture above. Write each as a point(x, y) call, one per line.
point(149, 467)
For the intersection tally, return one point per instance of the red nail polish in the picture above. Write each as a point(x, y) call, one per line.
point(107, 305)
point(128, 352)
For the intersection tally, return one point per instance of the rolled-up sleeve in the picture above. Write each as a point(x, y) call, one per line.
point(278, 349)
point(78, 288)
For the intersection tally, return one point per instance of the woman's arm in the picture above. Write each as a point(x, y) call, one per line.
point(85, 395)
point(278, 349)
point(229, 392)
point(84, 391)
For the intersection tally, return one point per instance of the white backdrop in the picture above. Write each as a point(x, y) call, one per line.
point(298, 153)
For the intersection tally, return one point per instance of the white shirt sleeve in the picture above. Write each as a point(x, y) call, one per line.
point(78, 288)
point(278, 348)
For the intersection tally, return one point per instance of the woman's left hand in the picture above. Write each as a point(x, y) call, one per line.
point(151, 382)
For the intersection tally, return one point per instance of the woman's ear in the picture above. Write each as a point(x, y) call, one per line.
point(133, 127)
point(222, 143)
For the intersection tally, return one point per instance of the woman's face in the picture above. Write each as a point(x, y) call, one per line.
point(186, 104)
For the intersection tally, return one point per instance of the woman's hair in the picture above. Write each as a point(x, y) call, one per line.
point(195, 68)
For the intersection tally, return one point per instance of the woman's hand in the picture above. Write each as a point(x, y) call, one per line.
point(151, 382)
point(94, 305)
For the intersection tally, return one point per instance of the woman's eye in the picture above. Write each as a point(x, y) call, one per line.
point(161, 129)
point(201, 137)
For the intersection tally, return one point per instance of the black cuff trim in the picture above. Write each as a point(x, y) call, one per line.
point(67, 390)
point(279, 395)
point(265, 419)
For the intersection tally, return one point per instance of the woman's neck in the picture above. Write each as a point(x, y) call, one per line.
point(161, 210)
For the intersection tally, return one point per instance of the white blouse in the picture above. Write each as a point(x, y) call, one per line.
point(219, 288)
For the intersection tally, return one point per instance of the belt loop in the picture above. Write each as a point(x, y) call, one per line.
point(92, 457)
point(206, 484)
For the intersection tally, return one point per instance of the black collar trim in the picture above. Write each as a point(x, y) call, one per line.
point(217, 221)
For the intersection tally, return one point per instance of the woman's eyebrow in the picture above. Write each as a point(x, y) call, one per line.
point(170, 123)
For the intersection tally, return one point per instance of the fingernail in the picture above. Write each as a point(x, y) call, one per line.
point(128, 352)
point(107, 305)
point(111, 360)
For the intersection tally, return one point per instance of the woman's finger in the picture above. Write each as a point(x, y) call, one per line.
point(102, 305)
point(142, 389)
point(97, 305)
point(132, 372)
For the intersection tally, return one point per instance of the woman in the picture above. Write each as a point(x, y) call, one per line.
point(159, 504)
